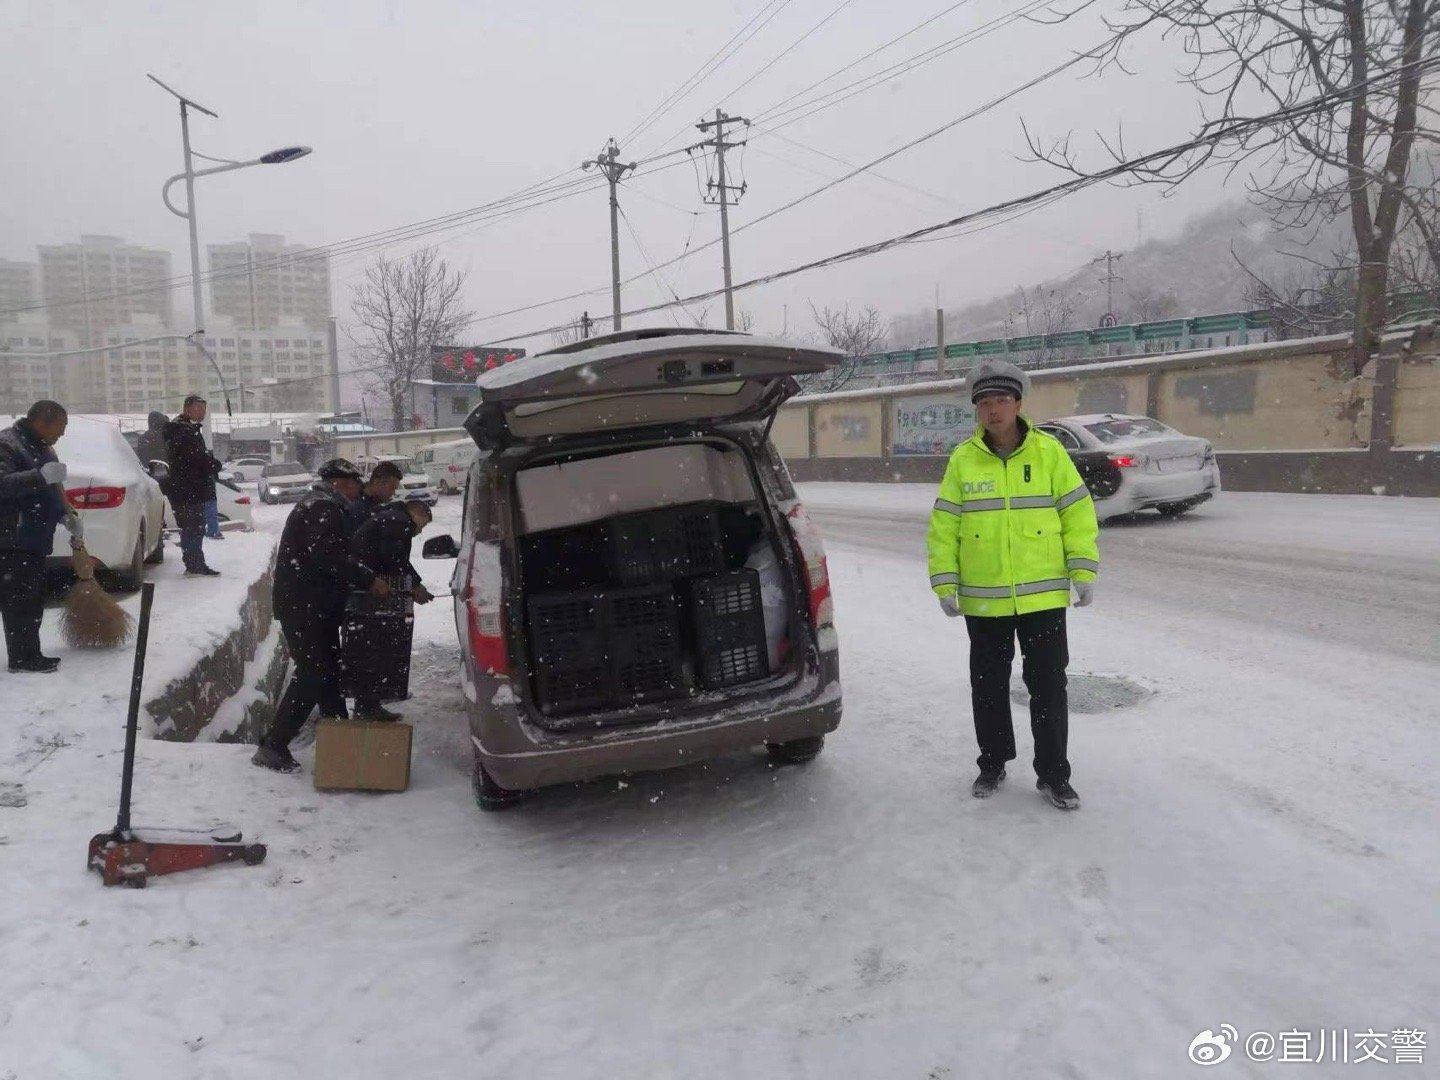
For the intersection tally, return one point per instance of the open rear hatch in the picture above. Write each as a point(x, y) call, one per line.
point(637, 379)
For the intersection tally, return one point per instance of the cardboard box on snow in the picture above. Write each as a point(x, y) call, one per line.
point(356, 755)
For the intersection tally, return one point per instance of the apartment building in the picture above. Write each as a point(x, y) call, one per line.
point(103, 282)
point(263, 283)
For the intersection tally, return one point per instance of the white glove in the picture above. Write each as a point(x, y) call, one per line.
point(950, 604)
point(1084, 593)
point(52, 472)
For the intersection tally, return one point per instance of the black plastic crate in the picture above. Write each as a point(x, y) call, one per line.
point(728, 623)
point(664, 544)
point(646, 652)
point(567, 641)
point(575, 557)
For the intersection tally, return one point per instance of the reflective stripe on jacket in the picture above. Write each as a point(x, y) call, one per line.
point(1010, 535)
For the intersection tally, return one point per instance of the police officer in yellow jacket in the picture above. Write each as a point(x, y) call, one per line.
point(1012, 532)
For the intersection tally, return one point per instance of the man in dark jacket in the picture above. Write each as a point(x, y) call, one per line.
point(382, 545)
point(192, 482)
point(31, 505)
point(314, 572)
point(151, 445)
point(384, 481)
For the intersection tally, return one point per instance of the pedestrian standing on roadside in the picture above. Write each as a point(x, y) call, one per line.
point(32, 503)
point(192, 483)
point(1011, 534)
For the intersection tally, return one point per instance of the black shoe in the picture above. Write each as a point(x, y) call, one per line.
point(1060, 793)
point(40, 665)
point(986, 783)
point(202, 571)
point(376, 713)
point(268, 757)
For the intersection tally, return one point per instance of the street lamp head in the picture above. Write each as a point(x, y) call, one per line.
point(281, 156)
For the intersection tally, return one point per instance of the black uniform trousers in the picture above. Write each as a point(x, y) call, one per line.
point(22, 602)
point(313, 640)
point(1046, 655)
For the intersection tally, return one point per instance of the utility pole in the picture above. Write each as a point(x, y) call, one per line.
point(1110, 258)
point(585, 323)
point(939, 333)
point(612, 169)
point(720, 146)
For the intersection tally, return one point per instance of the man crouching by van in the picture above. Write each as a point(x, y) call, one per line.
point(314, 572)
point(382, 546)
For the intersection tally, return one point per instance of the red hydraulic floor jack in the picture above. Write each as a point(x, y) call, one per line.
point(126, 856)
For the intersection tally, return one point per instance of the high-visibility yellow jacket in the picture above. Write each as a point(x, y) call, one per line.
point(1011, 535)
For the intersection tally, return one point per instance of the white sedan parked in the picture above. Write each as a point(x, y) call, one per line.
point(246, 470)
point(1132, 463)
point(120, 505)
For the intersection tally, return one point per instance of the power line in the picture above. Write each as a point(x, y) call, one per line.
point(855, 171)
point(807, 109)
point(692, 83)
point(1214, 134)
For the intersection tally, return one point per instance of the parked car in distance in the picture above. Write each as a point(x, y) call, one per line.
point(447, 463)
point(119, 502)
point(1132, 463)
point(283, 481)
point(637, 585)
point(414, 483)
point(246, 470)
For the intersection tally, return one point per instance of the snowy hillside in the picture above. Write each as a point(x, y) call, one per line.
point(1193, 273)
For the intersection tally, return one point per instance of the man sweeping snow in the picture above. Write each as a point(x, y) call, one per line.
point(1012, 532)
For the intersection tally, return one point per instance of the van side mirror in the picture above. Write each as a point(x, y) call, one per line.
point(158, 470)
point(440, 547)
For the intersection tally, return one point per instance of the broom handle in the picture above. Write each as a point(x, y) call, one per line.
point(132, 717)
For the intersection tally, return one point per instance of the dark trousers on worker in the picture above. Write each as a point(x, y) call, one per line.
point(313, 640)
point(1046, 654)
point(190, 519)
point(22, 602)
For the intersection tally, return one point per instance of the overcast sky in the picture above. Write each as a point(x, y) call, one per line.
point(419, 109)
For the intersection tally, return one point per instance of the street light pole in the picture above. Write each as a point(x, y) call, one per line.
point(274, 157)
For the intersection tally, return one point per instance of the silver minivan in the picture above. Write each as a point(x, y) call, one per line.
point(637, 586)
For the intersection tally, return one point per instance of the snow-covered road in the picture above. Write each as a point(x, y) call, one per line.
point(1256, 848)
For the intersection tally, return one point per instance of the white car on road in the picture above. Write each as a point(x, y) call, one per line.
point(414, 483)
point(447, 463)
point(119, 503)
point(1132, 463)
point(246, 470)
point(284, 481)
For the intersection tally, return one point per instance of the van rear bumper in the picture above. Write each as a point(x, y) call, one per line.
point(520, 756)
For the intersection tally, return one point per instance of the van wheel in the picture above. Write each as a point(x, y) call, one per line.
point(488, 794)
point(446, 488)
point(796, 751)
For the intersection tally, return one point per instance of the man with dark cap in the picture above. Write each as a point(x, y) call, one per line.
point(314, 572)
point(192, 482)
point(379, 489)
point(382, 544)
point(1012, 532)
point(32, 503)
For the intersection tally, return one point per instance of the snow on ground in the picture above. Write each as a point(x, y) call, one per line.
point(1256, 847)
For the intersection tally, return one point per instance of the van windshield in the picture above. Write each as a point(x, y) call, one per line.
point(285, 468)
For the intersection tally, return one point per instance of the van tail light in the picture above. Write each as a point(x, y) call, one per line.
point(243, 500)
point(1124, 461)
point(96, 498)
point(811, 552)
point(452, 468)
point(485, 618)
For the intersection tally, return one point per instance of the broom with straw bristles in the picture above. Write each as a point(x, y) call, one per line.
point(91, 619)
